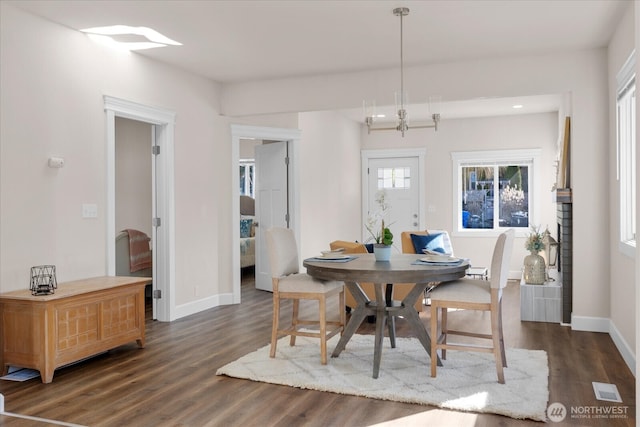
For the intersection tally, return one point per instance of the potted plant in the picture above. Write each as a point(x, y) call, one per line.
point(379, 232)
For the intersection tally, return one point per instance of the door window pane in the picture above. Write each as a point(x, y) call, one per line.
point(399, 177)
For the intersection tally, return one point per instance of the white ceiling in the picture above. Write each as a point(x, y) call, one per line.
point(235, 41)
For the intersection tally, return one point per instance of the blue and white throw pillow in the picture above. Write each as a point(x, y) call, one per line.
point(432, 242)
point(245, 227)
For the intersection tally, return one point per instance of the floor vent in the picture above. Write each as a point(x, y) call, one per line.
point(608, 392)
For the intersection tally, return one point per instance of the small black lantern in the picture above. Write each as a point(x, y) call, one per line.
point(43, 280)
point(551, 249)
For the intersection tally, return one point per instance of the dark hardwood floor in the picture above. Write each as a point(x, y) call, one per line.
point(172, 381)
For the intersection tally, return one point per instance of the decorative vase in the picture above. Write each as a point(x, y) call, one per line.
point(382, 252)
point(534, 269)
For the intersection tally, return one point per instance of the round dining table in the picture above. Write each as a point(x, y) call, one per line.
point(401, 268)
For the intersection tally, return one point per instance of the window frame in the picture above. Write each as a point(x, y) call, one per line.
point(529, 156)
point(250, 168)
point(626, 156)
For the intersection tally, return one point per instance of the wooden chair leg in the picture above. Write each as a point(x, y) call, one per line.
point(343, 314)
point(322, 302)
point(434, 339)
point(495, 333)
point(274, 327)
point(294, 320)
point(502, 352)
point(444, 329)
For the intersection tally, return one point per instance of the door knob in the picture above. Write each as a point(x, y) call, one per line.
point(256, 224)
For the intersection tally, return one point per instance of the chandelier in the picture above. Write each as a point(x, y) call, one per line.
point(401, 97)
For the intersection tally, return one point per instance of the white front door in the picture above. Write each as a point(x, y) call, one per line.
point(271, 203)
point(399, 177)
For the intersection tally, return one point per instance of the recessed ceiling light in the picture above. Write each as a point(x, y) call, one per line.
point(517, 106)
point(104, 35)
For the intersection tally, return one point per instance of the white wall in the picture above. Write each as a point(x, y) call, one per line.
point(248, 148)
point(53, 80)
point(283, 121)
point(637, 266)
point(133, 176)
point(329, 159)
point(622, 277)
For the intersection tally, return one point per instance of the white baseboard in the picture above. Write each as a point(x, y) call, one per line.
point(203, 304)
point(590, 324)
point(599, 324)
point(623, 348)
point(514, 275)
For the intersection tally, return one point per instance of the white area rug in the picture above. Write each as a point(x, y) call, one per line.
point(466, 382)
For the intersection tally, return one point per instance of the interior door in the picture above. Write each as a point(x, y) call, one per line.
point(398, 176)
point(155, 222)
point(272, 207)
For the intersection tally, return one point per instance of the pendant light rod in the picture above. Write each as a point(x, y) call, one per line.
point(402, 113)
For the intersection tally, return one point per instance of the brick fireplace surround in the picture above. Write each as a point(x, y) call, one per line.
point(565, 257)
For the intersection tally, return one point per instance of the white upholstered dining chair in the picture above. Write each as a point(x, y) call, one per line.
point(474, 294)
point(289, 283)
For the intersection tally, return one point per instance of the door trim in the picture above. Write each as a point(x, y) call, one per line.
point(259, 132)
point(164, 249)
point(366, 155)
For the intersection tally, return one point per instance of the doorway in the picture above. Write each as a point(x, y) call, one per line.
point(272, 202)
point(162, 130)
point(247, 187)
point(133, 201)
point(242, 132)
point(400, 174)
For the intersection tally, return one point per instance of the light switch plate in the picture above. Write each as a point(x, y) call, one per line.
point(55, 162)
point(89, 210)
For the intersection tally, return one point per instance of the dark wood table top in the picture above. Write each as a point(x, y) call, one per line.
point(400, 269)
